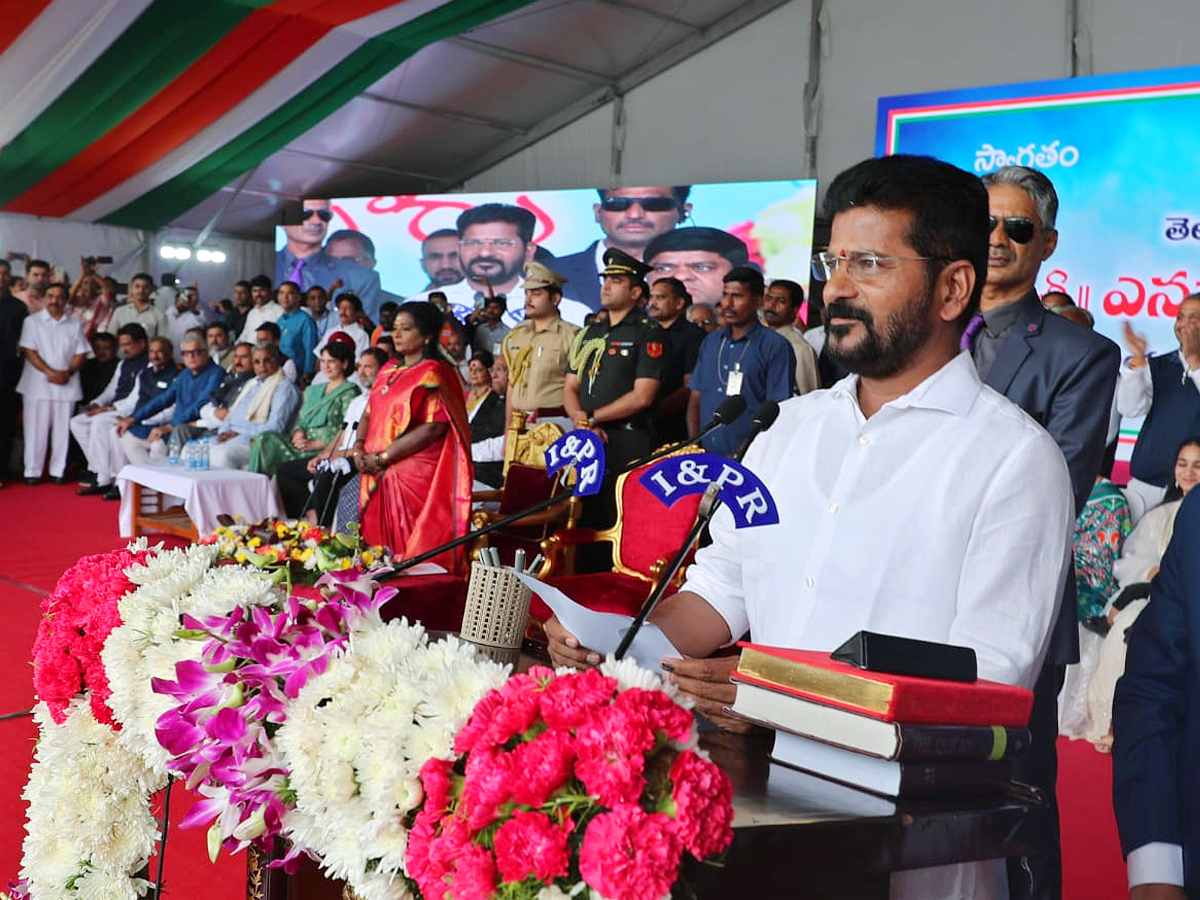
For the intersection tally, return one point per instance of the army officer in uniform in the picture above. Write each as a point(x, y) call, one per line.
point(536, 351)
point(613, 377)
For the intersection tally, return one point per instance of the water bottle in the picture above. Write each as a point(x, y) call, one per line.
point(190, 455)
point(173, 449)
point(204, 453)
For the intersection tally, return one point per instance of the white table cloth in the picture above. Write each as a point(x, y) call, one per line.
point(204, 493)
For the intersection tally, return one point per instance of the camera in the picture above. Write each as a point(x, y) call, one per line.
point(98, 260)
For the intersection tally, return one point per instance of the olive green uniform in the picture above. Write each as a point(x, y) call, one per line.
point(607, 360)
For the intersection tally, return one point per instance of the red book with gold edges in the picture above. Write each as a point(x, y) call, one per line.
point(813, 675)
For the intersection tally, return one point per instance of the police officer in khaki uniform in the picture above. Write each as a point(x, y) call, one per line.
point(614, 369)
point(536, 351)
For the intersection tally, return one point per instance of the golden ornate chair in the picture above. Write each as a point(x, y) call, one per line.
point(644, 538)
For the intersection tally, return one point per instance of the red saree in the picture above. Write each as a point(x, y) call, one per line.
point(422, 500)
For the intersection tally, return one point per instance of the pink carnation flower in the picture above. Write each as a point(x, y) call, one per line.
point(435, 779)
point(658, 711)
point(530, 844)
point(703, 798)
point(474, 875)
point(610, 755)
point(544, 766)
point(630, 854)
point(489, 783)
point(570, 700)
point(76, 620)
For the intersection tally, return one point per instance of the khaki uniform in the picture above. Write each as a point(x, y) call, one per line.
point(537, 361)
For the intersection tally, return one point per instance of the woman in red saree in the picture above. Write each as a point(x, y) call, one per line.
point(414, 447)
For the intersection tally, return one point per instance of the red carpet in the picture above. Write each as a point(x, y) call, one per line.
point(49, 528)
point(1092, 865)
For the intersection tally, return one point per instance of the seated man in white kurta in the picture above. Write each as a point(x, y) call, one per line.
point(913, 500)
point(267, 402)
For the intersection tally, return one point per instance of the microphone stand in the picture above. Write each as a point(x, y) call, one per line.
point(708, 507)
point(716, 422)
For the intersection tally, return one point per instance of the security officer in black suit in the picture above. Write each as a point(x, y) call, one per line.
point(612, 380)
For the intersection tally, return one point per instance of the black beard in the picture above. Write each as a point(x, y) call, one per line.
point(879, 356)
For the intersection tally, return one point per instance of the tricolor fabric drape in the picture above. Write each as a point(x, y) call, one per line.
point(130, 112)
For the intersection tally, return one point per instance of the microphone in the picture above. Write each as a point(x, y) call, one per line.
point(764, 418)
point(729, 410)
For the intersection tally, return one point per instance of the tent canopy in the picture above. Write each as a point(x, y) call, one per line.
point(156, 113)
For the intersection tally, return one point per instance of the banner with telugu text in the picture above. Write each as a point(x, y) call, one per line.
point(1123, 152)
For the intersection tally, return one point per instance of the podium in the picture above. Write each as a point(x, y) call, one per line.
point(799, 836)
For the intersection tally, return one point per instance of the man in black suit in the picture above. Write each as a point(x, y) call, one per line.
point(630, 218)
point(12, 317)
point(1064, 376)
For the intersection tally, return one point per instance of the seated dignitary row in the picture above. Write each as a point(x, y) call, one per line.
point(252, 414)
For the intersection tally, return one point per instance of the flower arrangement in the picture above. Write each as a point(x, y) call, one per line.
point(465, 784)
point(229, 704)
point(89, 828)
point(356, 787)
point(148, 644)
point(295, 548)
point(76, 619)
point(569, 778)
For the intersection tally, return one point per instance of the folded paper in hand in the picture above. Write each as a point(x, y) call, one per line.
point(602, 631)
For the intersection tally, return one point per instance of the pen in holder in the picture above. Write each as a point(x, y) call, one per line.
point(497, 609)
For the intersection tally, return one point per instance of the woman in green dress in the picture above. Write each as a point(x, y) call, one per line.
point(320, 417)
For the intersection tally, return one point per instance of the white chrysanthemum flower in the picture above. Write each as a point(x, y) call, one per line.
point(353, 789)
point(89, 815)
point(630, 674)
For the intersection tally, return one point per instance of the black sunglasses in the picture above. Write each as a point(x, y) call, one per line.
point(649, 204)
point(1018, 228)
point(324, 215)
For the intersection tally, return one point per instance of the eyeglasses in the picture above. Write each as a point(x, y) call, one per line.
point(194, 352)
point(1018, 228)
point(649, 204)
point(861, 265)
point(500, 243)
point(325, 215)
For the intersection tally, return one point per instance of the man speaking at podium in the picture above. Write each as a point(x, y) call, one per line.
point(913, 500)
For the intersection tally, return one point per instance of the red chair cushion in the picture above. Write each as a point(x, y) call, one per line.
point(649, 530)
point(436, 601)
point(602, 592)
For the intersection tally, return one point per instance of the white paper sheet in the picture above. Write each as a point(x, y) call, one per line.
point(601, 631)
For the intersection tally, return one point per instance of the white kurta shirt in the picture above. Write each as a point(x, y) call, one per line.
point(946, 516)
point(259, 315)
point(56, 341)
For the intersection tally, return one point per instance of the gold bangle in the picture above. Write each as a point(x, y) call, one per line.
point(1136, 363)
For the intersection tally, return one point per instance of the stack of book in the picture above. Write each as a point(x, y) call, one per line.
point(895, 735)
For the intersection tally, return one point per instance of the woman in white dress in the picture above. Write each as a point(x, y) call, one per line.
point(1139, 562)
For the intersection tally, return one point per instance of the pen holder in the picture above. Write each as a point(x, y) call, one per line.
point(497, 607)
